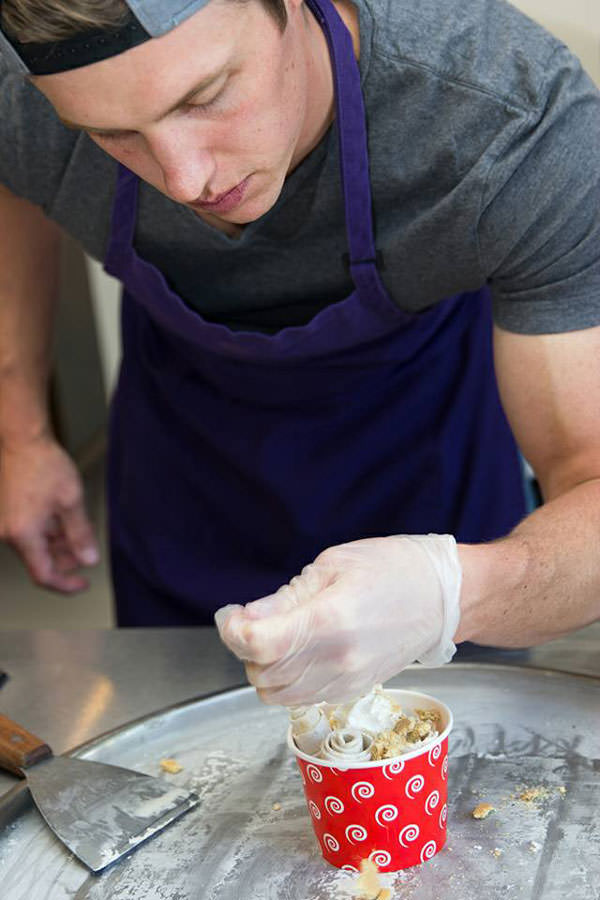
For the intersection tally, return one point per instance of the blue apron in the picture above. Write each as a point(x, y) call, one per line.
point(236, 457)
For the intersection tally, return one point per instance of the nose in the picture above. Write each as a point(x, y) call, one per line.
point(185, 163)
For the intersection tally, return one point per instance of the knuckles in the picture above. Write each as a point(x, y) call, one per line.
point(329, 558)
point(257, 648)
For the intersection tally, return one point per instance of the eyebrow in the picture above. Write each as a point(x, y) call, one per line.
point(201, 86)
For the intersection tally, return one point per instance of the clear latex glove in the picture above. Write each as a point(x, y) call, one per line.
point(359, 614)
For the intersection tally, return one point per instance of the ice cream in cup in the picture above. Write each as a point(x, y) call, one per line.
point(377, 789)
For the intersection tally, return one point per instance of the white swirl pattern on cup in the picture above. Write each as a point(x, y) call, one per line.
point(431, 802)
point(355, 833)
point(386, 813)
point(330, 842)
point(428, 850)
point(434, 754)
point(314, 774)
point(381, 858)
point(409, 834)
point(362, 790)
point(393, 768)
point(377, 822)
point(334, 805)
point(414, 785)
point(443, 816)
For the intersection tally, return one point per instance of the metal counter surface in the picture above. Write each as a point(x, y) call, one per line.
point(70, 686)
point(517, 731)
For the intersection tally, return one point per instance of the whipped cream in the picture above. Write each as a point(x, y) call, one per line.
point(374, 712)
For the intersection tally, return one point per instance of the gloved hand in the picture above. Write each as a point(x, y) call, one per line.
point(357, 615)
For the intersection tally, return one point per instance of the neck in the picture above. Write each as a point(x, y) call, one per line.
point(320, 72)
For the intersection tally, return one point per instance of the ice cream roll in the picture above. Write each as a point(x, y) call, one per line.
point(348, 745)
point(310, 727)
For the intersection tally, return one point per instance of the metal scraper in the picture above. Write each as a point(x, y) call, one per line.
point(100, 812)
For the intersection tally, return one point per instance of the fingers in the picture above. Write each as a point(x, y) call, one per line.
point(54, 550)
point(272, 634)
point(42, 515)
point(64, 561)
point(335, 688)
point(222, 617)
point(281, 601)
point(240, 626)
point(261, 641)
point(78, 534)
point(36, 552)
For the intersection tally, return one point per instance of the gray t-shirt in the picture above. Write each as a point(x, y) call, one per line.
point(484, 141)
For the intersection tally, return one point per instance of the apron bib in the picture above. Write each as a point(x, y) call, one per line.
point(236, 457)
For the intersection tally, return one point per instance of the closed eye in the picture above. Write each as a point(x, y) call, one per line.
point(207, 104)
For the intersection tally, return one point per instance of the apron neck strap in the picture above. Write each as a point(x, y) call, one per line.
point(124, 211)
point(352, 135)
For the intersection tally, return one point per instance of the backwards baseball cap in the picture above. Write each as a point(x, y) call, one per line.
point(148, 19)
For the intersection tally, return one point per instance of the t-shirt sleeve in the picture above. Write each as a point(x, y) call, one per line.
point(539, 229)
point(34, 149)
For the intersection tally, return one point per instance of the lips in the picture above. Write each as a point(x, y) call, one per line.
point(226, 201)
point(217, 200)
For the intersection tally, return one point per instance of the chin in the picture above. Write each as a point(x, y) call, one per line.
point(265, 199)
point(253, 210)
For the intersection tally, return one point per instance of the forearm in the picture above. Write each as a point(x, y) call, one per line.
point(541, 581)
point(29, 261)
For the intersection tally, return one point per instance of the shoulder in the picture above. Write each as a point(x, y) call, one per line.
point(20, 102)
point(56, 168)
point(485, 46)
point(34, 145)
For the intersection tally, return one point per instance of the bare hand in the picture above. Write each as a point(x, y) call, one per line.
point(42, 514)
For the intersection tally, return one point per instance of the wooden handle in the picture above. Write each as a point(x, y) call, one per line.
point(18, 748)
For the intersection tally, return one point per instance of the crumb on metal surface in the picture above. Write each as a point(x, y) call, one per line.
point(534, 847)
point(483, 810)
point(171, 766)
point(531, 794)
point(497, 852)
point(276, 807)
point(368, 884)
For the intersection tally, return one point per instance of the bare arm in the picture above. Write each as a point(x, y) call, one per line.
point(543, 580)
point(41, 509)
point(28, 288)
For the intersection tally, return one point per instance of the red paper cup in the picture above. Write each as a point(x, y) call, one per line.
point(391, 811)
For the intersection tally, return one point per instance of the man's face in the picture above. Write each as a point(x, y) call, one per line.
point(218, 110)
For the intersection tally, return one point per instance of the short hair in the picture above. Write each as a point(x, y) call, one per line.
point(44, 21)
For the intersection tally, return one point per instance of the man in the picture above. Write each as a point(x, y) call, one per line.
point(308, 367)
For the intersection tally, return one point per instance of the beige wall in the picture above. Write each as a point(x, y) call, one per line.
point(105, 298)
point(576, 22)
